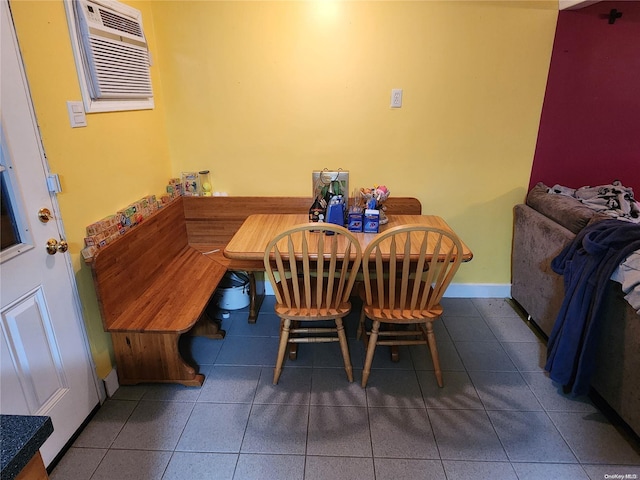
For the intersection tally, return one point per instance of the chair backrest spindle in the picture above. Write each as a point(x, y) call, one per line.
point(421, 264)
point(321, 269)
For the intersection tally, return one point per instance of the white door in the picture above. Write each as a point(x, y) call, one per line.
point(46, 366)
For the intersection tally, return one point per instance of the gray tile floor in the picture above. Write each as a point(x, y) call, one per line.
point(497, 417)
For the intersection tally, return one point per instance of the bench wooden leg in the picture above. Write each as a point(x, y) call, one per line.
point(207, 327)
point(152, 358)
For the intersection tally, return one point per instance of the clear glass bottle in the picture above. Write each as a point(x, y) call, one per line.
point(204, 183)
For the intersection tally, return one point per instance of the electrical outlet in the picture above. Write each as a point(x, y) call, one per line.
point(396, 98)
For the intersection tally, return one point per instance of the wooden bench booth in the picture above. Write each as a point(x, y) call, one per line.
point(154, 283)
point(152, 287)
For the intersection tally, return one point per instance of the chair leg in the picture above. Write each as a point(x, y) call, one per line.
point(344, 346)
point(293, 348)
point(282, 349)
point(370, 350)
point(431, 339)
point(362, 329)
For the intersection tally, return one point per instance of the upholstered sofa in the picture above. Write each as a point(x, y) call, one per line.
point(542, 227)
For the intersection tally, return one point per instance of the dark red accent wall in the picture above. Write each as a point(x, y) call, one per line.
point(590, 125)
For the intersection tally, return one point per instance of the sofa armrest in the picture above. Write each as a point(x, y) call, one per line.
point(567, 211)
point(537, 240)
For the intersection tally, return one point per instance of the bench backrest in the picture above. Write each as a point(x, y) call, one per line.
point(124, 269)
point(214, 220)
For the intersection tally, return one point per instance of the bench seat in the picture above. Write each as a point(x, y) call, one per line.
point(171, 304)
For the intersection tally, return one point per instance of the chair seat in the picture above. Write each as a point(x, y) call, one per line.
point(310, 312)
point(313, 313)
point(397, 315)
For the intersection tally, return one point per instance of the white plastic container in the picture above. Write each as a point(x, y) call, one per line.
point(233, 291)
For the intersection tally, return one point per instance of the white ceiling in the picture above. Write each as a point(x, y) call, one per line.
point(575, 4)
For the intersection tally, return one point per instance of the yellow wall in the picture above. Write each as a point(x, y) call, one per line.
point(262, 93)
point(118, 158)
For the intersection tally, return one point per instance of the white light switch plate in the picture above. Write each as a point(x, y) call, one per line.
point(396, 98)
point(76, 114)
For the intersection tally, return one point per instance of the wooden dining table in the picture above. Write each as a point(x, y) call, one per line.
point(251, 239)
point(248, 244)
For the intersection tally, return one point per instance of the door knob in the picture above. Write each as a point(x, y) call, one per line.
point(53, 246)
point(44, 215)
point(63, 246)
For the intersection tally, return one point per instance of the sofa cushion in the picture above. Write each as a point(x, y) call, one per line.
point(567, 211)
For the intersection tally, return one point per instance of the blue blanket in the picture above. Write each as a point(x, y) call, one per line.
point(587, 264)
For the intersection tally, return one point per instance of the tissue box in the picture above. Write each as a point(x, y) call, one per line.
point(371, 221)
point(355, 221)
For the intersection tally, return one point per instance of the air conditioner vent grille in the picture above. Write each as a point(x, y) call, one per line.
point(121, 70)
point(120, 23)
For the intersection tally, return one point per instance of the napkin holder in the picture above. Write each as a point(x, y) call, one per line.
point(335, 211)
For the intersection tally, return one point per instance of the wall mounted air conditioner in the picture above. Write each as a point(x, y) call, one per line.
point(113, 49)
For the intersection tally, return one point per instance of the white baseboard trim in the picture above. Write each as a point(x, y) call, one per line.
point(478, 290)
point(111, 382)
point(459, 290)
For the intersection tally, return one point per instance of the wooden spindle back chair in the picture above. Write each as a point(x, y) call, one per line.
point(312, 268)
point(405, 288)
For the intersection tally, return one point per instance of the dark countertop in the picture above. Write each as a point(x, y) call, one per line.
point(21, 437)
